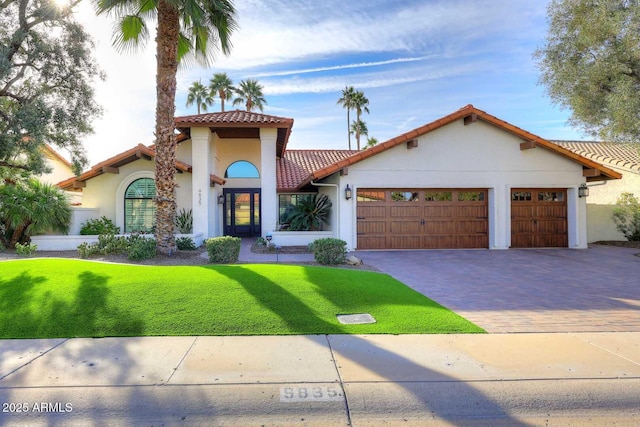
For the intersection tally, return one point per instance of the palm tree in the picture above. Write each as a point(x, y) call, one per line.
point(250, 94)
point(360, 103)
point(185, 28)
point(200, 95)
point(359, 128)
point(31, 207)
point(222, 86)
point(347, 102)
point(371, 142)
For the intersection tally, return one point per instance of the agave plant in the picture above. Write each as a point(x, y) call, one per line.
point(184, 221)
point(310, 214)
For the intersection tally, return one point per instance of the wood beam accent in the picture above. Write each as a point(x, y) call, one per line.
point(471, 118)
point(590, 173)
point(413, 143)
point(110, 169)
point(344, 171)
point(141, 155)
point(528, 145)
point(79, 184)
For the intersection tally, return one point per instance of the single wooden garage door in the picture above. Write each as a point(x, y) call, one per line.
point(538, 218)
point(422, 218)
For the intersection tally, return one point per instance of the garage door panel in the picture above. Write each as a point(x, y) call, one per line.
point(403, 242)
point(538, 218)
point(471, 227)
point(369, 211)
point(438, 242)
point(405, 211)
point(439, 227)
point(429, 218)
point(405, 227)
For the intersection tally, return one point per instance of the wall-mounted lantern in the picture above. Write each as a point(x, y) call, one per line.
point(347, 192)
point(220, 199)
point(583, 191)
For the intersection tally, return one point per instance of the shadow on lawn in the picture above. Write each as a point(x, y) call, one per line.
point(282, 303)
point(25, 313)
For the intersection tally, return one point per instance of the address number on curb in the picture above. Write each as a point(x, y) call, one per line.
point(310, 393)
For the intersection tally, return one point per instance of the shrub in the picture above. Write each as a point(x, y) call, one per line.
point(223, 250)
point(329, 251)
point(184, 221)
point(140, 247)
point(626, 215)
point(309, 213)
point(185, 244)
point(102, 225)
point(261, 241)
point(26, 249)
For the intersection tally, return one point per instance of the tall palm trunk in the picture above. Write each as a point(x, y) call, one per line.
point(167, 60)
point(349, 128)
point(222, 97)
point(358, 133)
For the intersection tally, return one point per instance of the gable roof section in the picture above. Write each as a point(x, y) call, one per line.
point(110, 166)
point(53, 154)
point(225, 121)
point(296, 166)
point(623, 156)
point(475, 114)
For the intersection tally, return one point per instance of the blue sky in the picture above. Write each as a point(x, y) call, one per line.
point(416, 61)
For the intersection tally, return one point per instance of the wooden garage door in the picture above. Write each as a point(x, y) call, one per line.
point(422, 218)
point(538, 218)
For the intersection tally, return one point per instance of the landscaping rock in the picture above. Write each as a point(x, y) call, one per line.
point(352, 260)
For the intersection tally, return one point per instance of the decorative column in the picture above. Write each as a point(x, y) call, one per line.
point(268, 197)
point(200, 179)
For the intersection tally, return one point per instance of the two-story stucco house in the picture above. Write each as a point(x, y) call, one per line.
point(467, 180)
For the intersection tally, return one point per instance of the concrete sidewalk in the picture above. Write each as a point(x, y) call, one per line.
point(502, 379)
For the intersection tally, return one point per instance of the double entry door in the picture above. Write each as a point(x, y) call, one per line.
point(242, 212)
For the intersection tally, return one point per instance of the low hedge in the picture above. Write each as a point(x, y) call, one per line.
point(329, 251)
point(223, 250)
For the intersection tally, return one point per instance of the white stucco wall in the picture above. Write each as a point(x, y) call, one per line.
point(106, 192)
point(601, 202)
point(473, 156)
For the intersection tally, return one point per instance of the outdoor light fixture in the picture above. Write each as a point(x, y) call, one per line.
point(583, 191)
point(347, 192)
point(220, 199)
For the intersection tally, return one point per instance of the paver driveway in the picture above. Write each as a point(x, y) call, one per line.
point(528, 290)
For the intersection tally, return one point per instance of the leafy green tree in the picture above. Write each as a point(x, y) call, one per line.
point(371, 142)
point(199, 95)
point(626, 216)
point(348, 93)
point(360, 103)
point(186, 29)
point(46, 75)
point(29, 207)
point(249, 93)
point(222, 86)
point(590, 65)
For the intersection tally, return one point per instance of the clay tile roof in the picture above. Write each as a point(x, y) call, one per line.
point(234, 117)
point(138, 152)
point(297, 165)
point(623, 156)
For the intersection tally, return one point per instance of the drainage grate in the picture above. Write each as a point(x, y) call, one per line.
point(356, 319)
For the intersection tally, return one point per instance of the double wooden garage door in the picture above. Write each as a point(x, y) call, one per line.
point(422, 218)
point(456, 218)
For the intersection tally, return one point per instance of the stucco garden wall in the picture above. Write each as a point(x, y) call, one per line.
point(478, 155)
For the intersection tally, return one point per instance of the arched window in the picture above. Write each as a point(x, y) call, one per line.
point(139, 207)
point(241, 169)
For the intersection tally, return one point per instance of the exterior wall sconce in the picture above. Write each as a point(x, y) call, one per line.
point(348, 193)
point(583, 191)
point(220, 199)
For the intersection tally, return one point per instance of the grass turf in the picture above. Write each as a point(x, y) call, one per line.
point(50, 298)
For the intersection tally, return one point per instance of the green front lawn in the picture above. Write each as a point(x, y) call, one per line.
point(47, 298)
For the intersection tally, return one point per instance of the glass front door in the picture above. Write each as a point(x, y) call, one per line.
point(242, 212)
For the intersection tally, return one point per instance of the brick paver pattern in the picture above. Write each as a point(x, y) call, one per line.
point(526, 290)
